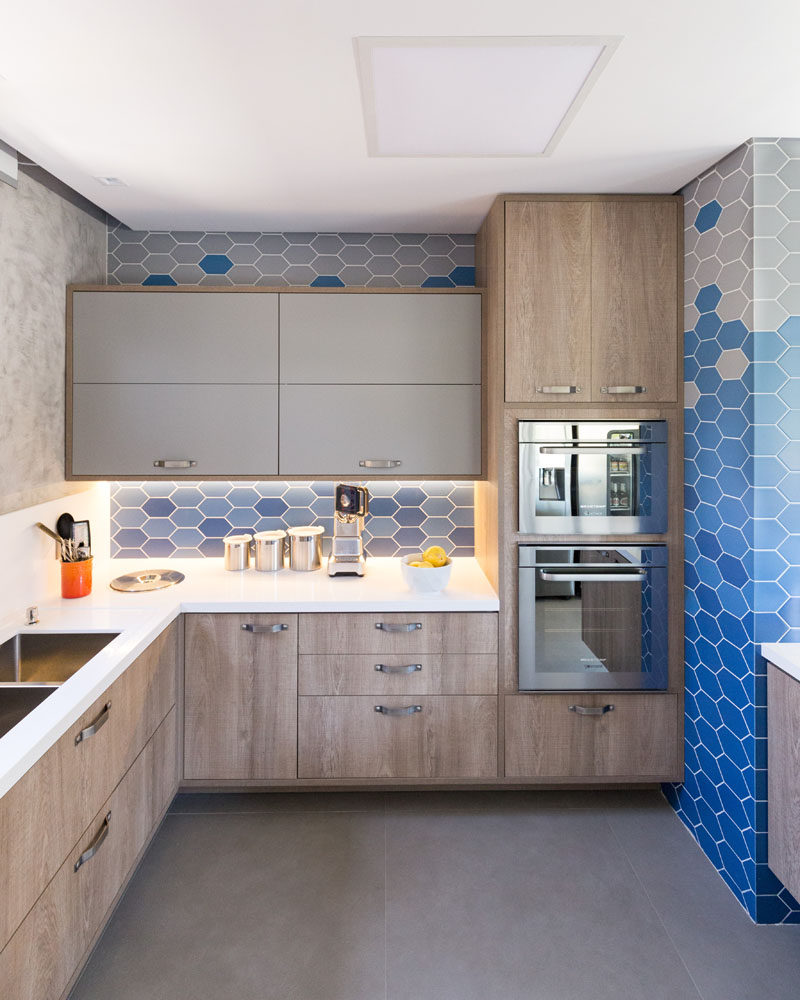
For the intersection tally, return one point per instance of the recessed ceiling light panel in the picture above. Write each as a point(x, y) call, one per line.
point(472, 96)
point(111, 181)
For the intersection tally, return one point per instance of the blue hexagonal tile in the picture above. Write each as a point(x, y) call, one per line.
point(186, 496)
point(299, 496)
point(409, 496)
point(708, 298)
point(216, 263)
point(790, 331)
point(732, 334)
point(130, 538)
point(790, 486)
point(215, 507)
point(187, 537)
point(158, 527)
point(383, 506)
point(186, 517)
point(708, 216)
point(158, 547)
point(130, 517)
point(214, 527)
point(407, 516)
point(707, 328)
point(271, 507)
point(243, 496)
point(158, 507)
point(130, 496)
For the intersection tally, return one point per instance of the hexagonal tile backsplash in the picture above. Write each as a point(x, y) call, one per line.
point(321, 260)
point(188, 520)
point(742, 498)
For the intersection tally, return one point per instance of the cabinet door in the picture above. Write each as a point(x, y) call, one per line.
point(123, 430)
point(636, 740)
point(175, 336)
point(405, 430)
point(241, 696)
point(634, 300)
point(783, 748)
point(381, 338)
point(411, 737)
point(548, 300)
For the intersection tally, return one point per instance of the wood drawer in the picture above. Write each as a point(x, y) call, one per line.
point(451, 737)
point(46, 950)
point(43, 814)
point(439, 632)
point(783, 769)
point(638, 739)
point(430, 673)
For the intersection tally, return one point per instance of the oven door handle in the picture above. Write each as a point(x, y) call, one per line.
point(547, 449)
point(637, 577)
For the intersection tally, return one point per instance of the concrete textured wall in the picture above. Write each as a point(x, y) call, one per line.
point(45, 243)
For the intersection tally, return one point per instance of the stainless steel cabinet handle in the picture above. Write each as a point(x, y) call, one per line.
point(264, 628)
point(593, 450)
point(591, 709)
point(388, 627)
point(409, 668)
point(623, 390)
point(409, 710)
point(560, 389)
point(380, 463)
point(637, 577)
point(174, 463)
point(95, 845)
point(98, 723)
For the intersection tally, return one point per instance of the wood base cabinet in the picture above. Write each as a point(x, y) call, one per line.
point(240, 714)
point(397, 737)
point(783, 751)
point(45, 953)
point(577, 736)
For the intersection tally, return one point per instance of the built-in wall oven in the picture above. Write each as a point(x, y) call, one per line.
point(592, 477)
point(593, 617)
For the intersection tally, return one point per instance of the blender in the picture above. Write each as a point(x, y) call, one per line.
point(351, 503)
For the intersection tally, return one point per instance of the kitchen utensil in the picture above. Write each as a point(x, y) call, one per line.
point(65, 525)
point(305, 547)
point(50, 532)
point(149, 579)
point(76, 578)
point(351, 503)
point(237, 552)
point(425, 580)
point(82, 537)
point(269, 550)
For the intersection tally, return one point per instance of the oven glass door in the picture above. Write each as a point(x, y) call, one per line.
point(593, 618)
point(592, 477)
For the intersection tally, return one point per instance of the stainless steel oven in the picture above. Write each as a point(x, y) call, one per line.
point(593, 617)
point(592, 477)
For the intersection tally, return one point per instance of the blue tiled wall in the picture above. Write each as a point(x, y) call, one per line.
point(158, 519)
point(742, 498)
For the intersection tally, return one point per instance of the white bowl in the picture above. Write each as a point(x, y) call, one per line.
point(425, 580)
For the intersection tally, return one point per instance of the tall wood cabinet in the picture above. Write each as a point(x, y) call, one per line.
point(591, 302)
point(582, 305)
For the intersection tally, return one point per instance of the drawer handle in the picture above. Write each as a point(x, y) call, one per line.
point(264, 628)
point(409, 710)
point(409, 668)
point(591, 709)
point(174, 463)
point(98, 723)
point(95, 845)
point(623, 390)
point(562, 390)
point(389, 627)
point(380, 463)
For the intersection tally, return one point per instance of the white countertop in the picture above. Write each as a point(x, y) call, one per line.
point(140, 617)
point(785, 655)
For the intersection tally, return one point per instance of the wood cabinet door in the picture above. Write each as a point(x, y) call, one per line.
point(548, 300)
point(558, 736)
point(783, 749)
point(398, 737)
point(240, 696)
point(634, 301)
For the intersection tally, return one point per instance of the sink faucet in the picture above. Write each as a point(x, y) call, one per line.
point(32, 615)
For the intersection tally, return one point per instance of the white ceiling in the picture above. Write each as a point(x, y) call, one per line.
point(246, 114)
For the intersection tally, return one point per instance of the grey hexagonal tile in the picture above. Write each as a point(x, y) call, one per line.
point(382, 244)
point(410, 277)
point(271, 264)
point(383, 281)
point(159, 263)
point(768, 190)
point(187, 253)
point(732, 364)
point(328, 243)
point(734, 161)
point(768, 251)
point(300, 239)
point(216, 243)
point(354, 274)
point(708, 187)
point(299, 274)
point(789, 236)
point(770, 315)
point(216, 279)
point(708, 271)
point(327, 264)
point(355, 254)
point(733, 187)
point(244, 274)
point(732, 218)
point(437, 266)
point(271, 243)
point(768, 283)
point(131, 274)
point(790, 300)
point(733, 276)
point(437, 245)
point(187, 236)
point(130, 253)
point(463, 256)
point(299, 254)
point(734, 305)
point(125, 235)
point(244, 237)
point(188, 274)
point(732, 247)
point(159, 242)
point(244, 253)
point(708, 243)
point(789, 174)
point(271, 280)
point(768, 222)
point(381, 265)
point(410, 255)
point(790, 268)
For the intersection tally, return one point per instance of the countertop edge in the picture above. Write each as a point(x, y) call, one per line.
point(784, 655)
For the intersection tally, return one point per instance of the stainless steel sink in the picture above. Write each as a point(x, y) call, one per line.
point(34, 664)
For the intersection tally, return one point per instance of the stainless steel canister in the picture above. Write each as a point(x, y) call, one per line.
point(237, 551)
point(269, 550)
point(305, 547)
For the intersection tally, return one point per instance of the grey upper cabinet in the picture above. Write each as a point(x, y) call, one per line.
point(175, 337)
point(378, 430)
point(380, 338)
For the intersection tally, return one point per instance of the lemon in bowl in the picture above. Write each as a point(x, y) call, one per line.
point(423, 575)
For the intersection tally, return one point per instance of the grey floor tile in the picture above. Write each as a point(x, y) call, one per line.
point(247, 802)
point(271, 906)
point(430, 802)
point(728, 956)
point(535, 904)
